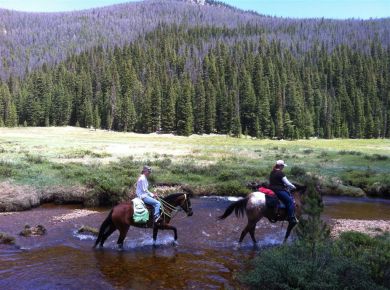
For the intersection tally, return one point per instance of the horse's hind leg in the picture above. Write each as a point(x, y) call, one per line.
point(106, 234)
point(122, 235)
point(245, 231)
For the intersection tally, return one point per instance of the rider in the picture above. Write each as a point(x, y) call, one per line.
point(280, 184)
point(143, 193)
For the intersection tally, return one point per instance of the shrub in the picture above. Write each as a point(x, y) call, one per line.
point(36, 159)
point(345, 152)
point(297, 171)
point(227, 175)
point(108, 190)
point(372, 253)
point(6, 169)
point(323, 154)
point(376, 157)
point(232, 187)
point(162, 163)
point(331, 266)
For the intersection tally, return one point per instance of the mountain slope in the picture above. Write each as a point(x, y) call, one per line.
point(28, 40)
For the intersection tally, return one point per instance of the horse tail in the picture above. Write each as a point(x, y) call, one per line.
point(106, 223)
point(238, 207)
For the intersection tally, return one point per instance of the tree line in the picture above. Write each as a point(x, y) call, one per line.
point(208, 79)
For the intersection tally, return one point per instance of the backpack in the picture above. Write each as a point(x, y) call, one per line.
point(141, 213)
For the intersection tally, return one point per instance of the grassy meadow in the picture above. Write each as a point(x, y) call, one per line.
point(106, 164)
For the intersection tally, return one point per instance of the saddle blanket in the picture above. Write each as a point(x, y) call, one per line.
point(259, 198)
point(141, 213)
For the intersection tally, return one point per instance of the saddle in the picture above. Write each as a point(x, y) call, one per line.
point(274, 204)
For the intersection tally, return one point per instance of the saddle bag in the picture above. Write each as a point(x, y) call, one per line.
point(141, 213)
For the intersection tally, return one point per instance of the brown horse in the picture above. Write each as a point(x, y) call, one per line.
point(121, 218)
point(255, 207)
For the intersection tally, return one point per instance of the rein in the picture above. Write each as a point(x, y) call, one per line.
point(167, 205)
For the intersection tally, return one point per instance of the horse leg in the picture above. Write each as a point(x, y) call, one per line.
point(155, 231)
point(289, 228)
point(245, 231)
point(106, 234)
point(122, 235)
point(168, 227)
point(252, 233)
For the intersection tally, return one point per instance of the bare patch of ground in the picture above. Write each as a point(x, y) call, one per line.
point(17, 197)
point(77, 213)
point(370, 227)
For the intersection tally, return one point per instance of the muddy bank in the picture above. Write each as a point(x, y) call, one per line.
point(15, 197)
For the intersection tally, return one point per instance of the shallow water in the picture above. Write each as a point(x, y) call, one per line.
point(207, 256)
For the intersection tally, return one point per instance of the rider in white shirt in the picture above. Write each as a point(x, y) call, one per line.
point(143, 193)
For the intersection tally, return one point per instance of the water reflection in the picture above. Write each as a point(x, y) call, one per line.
point(207, 256)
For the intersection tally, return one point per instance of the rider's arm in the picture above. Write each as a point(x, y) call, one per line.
point(288, 183)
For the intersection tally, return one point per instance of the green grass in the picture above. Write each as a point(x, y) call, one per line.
point(108, 162)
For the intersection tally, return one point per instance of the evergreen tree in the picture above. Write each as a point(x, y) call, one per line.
point(184, 110)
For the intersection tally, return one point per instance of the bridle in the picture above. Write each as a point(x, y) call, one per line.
point(174, 209)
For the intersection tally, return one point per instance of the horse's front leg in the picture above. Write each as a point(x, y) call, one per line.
point(289, 228)
point(155, 231)
point(168, 227)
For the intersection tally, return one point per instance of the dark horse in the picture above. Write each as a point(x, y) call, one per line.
point(121, 218)
point(256, 207)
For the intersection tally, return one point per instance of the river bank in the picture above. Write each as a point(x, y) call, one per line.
point(92, 168)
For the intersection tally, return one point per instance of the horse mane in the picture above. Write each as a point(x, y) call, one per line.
point(173, 196)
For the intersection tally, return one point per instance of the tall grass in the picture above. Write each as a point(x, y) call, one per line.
point(107, 162)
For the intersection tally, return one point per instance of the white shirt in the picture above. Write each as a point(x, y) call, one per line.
point(142, 187)
point(288, 183)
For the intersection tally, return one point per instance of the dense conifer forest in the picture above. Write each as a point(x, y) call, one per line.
point(261, 76)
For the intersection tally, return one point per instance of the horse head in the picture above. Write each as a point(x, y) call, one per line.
point(186, 205)
point(180, 199)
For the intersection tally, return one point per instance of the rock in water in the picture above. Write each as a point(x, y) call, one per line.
point(6, 239)
point(88, 230)
point(28, 231)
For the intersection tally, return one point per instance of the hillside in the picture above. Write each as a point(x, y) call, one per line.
point(184, 67)
point(28, 40)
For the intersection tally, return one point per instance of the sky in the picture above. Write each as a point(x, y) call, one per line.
point(336, 9)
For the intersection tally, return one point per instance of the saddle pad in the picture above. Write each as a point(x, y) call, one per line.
point(258, 198)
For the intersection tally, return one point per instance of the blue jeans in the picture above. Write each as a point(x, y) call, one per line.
point(285, 197)
point(155, 203)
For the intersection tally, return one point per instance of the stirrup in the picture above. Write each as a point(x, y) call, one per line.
point(156, 218)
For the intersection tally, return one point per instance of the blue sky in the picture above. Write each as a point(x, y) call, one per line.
point(339, 9)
